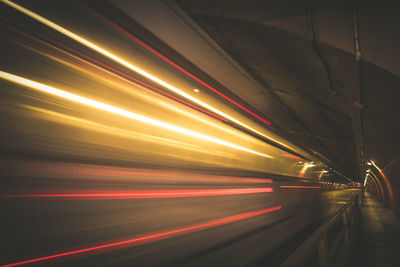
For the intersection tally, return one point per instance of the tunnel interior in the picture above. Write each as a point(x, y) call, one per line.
point(199, 133)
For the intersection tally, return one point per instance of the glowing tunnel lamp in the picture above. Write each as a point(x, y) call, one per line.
point(130, 66)
point(118, 111)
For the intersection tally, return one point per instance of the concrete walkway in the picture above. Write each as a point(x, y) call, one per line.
point(379, 235)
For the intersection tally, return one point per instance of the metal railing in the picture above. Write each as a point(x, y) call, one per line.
point(325, 241)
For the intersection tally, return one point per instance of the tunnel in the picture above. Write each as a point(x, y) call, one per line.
point(199, 133)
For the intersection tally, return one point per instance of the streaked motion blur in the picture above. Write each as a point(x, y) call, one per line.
point(113, 155)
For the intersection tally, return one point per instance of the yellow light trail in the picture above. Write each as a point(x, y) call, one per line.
point(130, 66)
point(321, 174)
point(304, 169)
point(118, 111)
point(124, 88)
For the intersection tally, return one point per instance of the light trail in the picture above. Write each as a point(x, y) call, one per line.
point(125, 78)
point(152, 237)
point(292, 156)
point(109, 130)
point(377, 186)
point(158, 54)
point(121, 76)
point(304, 169)
point(132, 67)
point(321, 174)
point(118, 111)
point(388, 185)
point(142, 194)
point(95, 63)
point(373, 175)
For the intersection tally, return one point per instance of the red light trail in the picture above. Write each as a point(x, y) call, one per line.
point(151, 237)
point(291, 156)
point(140, 194)
point(121, 74)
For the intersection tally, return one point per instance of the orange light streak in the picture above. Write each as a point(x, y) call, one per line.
point(388, 185)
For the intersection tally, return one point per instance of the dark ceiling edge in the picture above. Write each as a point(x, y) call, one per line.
point(323, 43)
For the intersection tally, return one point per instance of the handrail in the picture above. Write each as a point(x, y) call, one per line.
point(318, 240)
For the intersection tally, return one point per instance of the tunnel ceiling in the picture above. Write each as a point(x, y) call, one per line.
point(302, 53)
